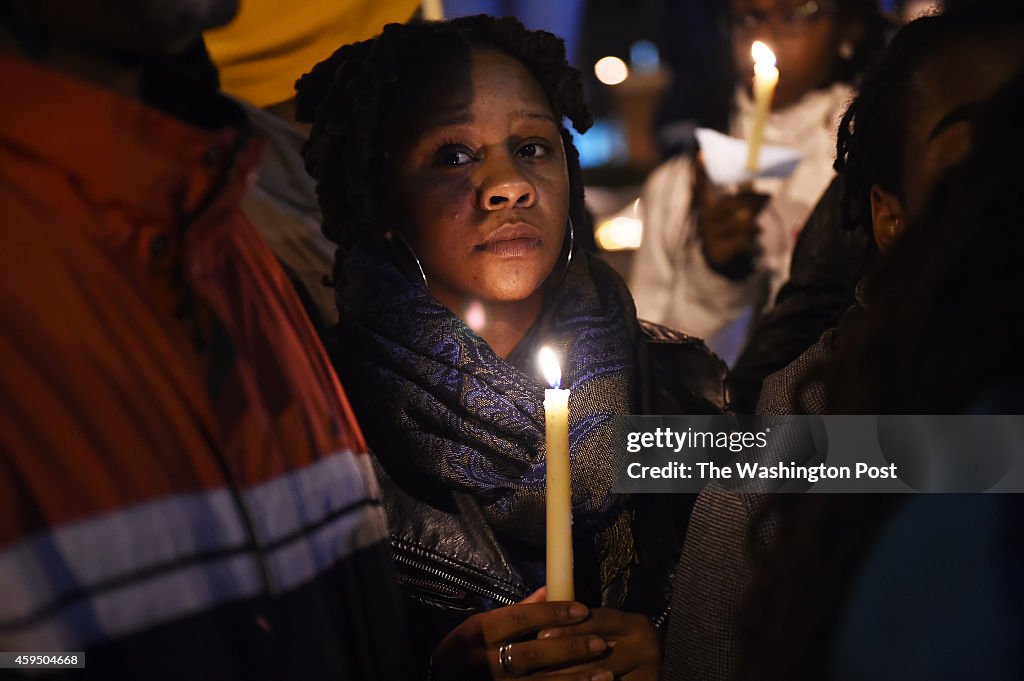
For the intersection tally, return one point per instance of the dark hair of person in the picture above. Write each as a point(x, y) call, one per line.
point(941, 334)
point(871, 137)
point(941, 322)
point(351, 96)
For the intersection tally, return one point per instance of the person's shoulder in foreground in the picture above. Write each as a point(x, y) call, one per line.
point(184, 491)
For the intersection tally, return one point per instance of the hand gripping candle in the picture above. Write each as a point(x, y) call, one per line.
point(559, 493)
point(766, 77)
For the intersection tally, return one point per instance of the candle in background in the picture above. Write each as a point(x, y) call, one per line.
point(432, 10)
point(559, 493)
point(766, 77)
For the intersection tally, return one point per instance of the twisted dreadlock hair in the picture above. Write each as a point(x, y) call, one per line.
point(957, 261)
point(349, 97)
point(870, 142)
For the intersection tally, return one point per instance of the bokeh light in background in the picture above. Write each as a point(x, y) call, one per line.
point(604, 144)
point(476, 318)
point(611, 70)
point(621, 232)
point(643, 55)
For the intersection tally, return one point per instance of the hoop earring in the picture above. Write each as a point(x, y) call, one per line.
point(572, 243)
point(556, 278)
point(408, 248)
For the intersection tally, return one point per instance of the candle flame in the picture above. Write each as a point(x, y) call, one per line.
point(762, 54)
point(549, 366)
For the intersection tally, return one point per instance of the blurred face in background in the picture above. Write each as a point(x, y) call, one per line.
point(129, 27)
point(804, 35)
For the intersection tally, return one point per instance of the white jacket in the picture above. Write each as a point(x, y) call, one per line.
point(671, 280)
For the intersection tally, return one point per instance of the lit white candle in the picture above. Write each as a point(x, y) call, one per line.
point(766, 77)
point(432, 10)
point(559, 492)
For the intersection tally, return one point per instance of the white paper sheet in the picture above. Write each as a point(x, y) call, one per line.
point(725, 158)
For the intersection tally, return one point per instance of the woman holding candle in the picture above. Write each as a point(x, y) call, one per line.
point(713, 257)
point(911, 122)
point(452, 188)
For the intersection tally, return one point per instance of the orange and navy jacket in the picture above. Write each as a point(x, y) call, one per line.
point(184, 492)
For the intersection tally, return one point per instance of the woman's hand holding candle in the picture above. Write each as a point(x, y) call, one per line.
point(634, 642)
point(472, 650)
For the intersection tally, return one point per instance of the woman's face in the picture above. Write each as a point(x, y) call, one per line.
point(805, 43)
point(482, 185)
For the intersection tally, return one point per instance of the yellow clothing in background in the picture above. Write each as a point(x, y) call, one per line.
point(270, 44)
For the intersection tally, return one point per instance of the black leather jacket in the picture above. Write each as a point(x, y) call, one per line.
point(449, 561)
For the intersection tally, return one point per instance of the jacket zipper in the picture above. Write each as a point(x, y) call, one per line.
point(658, 621)
point(428, 585)
point(449, 577)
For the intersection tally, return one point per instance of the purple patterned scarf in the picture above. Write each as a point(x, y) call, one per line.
point(435, 401)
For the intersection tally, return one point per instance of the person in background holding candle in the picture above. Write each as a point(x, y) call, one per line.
point(710, 260)
point(911, 122)
point(908, 125)
point(453, 190)
point(921, 586)
point(832, 254)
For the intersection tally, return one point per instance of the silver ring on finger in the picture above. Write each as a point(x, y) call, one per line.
point(505, 659)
